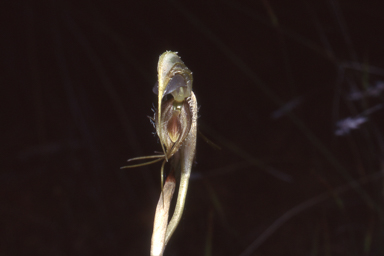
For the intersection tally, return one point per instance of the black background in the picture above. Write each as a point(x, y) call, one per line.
point(77, 81)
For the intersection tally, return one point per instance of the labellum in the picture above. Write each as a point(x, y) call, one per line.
point(174, 124)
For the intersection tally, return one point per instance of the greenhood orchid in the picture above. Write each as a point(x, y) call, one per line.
point(176, 126)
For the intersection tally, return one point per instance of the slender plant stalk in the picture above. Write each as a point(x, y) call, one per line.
point(161, 217)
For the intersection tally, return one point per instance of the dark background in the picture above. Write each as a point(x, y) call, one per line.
point(77, 79)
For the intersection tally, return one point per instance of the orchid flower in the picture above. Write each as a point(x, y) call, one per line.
point(176, 127)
